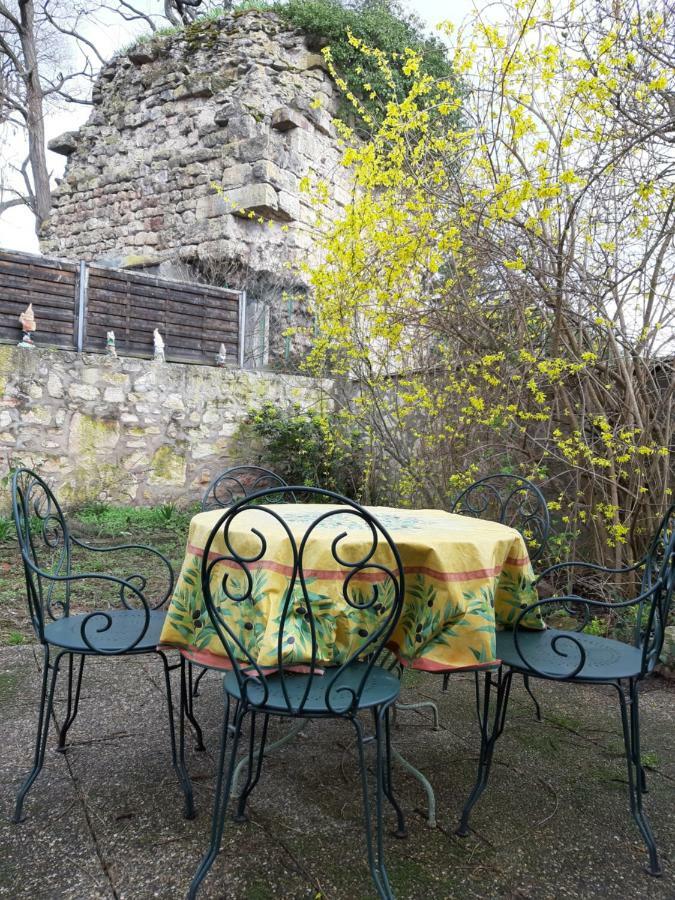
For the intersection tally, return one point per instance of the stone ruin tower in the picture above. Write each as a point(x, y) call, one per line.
point(240, 102)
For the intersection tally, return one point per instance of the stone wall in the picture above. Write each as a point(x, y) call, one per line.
point(240, 102)
point(127, 430)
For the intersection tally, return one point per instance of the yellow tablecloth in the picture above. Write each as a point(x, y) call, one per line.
point(463, 578)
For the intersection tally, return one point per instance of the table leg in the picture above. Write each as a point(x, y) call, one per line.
point(431, 798)
point(424, 704)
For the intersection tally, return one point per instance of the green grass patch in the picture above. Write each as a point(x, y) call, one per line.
point(6, 528)
point(104, 519)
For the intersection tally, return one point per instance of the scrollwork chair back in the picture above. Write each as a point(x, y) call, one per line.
point(511, 500)
point(236, 483)
point(229, 581)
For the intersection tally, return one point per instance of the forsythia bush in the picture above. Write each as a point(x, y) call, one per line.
point(500, 289)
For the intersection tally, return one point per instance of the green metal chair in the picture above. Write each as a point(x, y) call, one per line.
point(579, 658)
point(128, 625)
point(340, 692)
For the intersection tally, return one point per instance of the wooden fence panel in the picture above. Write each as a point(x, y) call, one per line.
point(50, 285)
point(193, 319)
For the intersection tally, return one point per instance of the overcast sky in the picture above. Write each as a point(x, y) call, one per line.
point(16, 225)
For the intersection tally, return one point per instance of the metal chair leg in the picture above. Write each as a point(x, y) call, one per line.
point(254, 767)
point(488, 735)
point(188, 706)
point(401, 830)
point(178, 759)
point(46, 705)
point(223, 786)
point(73, 701)
point(195, 686)
point(375, 855)
point(631, 737)
point(290, 736)
point(424, 781)
point(526, 684)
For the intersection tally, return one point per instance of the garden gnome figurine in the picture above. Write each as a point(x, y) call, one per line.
point(28, 324)
point(222, 355)
point(159, 346)
point(110, 344)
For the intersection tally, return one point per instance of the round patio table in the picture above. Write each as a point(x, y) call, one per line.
point(464, 578)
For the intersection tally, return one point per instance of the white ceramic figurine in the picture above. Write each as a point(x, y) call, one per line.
point(159, 346)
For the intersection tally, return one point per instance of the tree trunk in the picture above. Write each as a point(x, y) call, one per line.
point(37, 153)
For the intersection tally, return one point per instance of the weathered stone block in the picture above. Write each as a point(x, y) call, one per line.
point(194, 87)
point(285, 118)
point(278, 176)
point(259, 199)
point(167, 467)
point(235, 176)
point(289, 206)
point(210, 207)
point(83, 392)
point(140, 55)
point(667, 657)
point(65, 143)
point(114, 395)
point(138, 261)
point(242, 127)
point(90, 438)
point(311, 61)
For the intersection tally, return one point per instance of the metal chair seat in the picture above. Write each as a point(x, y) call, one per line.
point(552, 651)
point(380, 687)
point(110, 634)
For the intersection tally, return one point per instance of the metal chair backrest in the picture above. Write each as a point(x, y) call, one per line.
point(237, 482)
point(656, 558)
point(340, 544)
point(511, 500)
point(47, 552)
point(658, 581)
point(657, 563)
point(651, 609)
point(45, 546)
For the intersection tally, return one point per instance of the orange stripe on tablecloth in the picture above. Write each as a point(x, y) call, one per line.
point(216, 661)
point(428, 665)
point(337, 574)
point(516, 560)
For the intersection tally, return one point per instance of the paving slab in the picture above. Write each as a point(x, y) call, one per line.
point(104, 820)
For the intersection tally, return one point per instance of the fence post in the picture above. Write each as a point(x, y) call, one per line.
point(242, 327)
point(81, 304)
